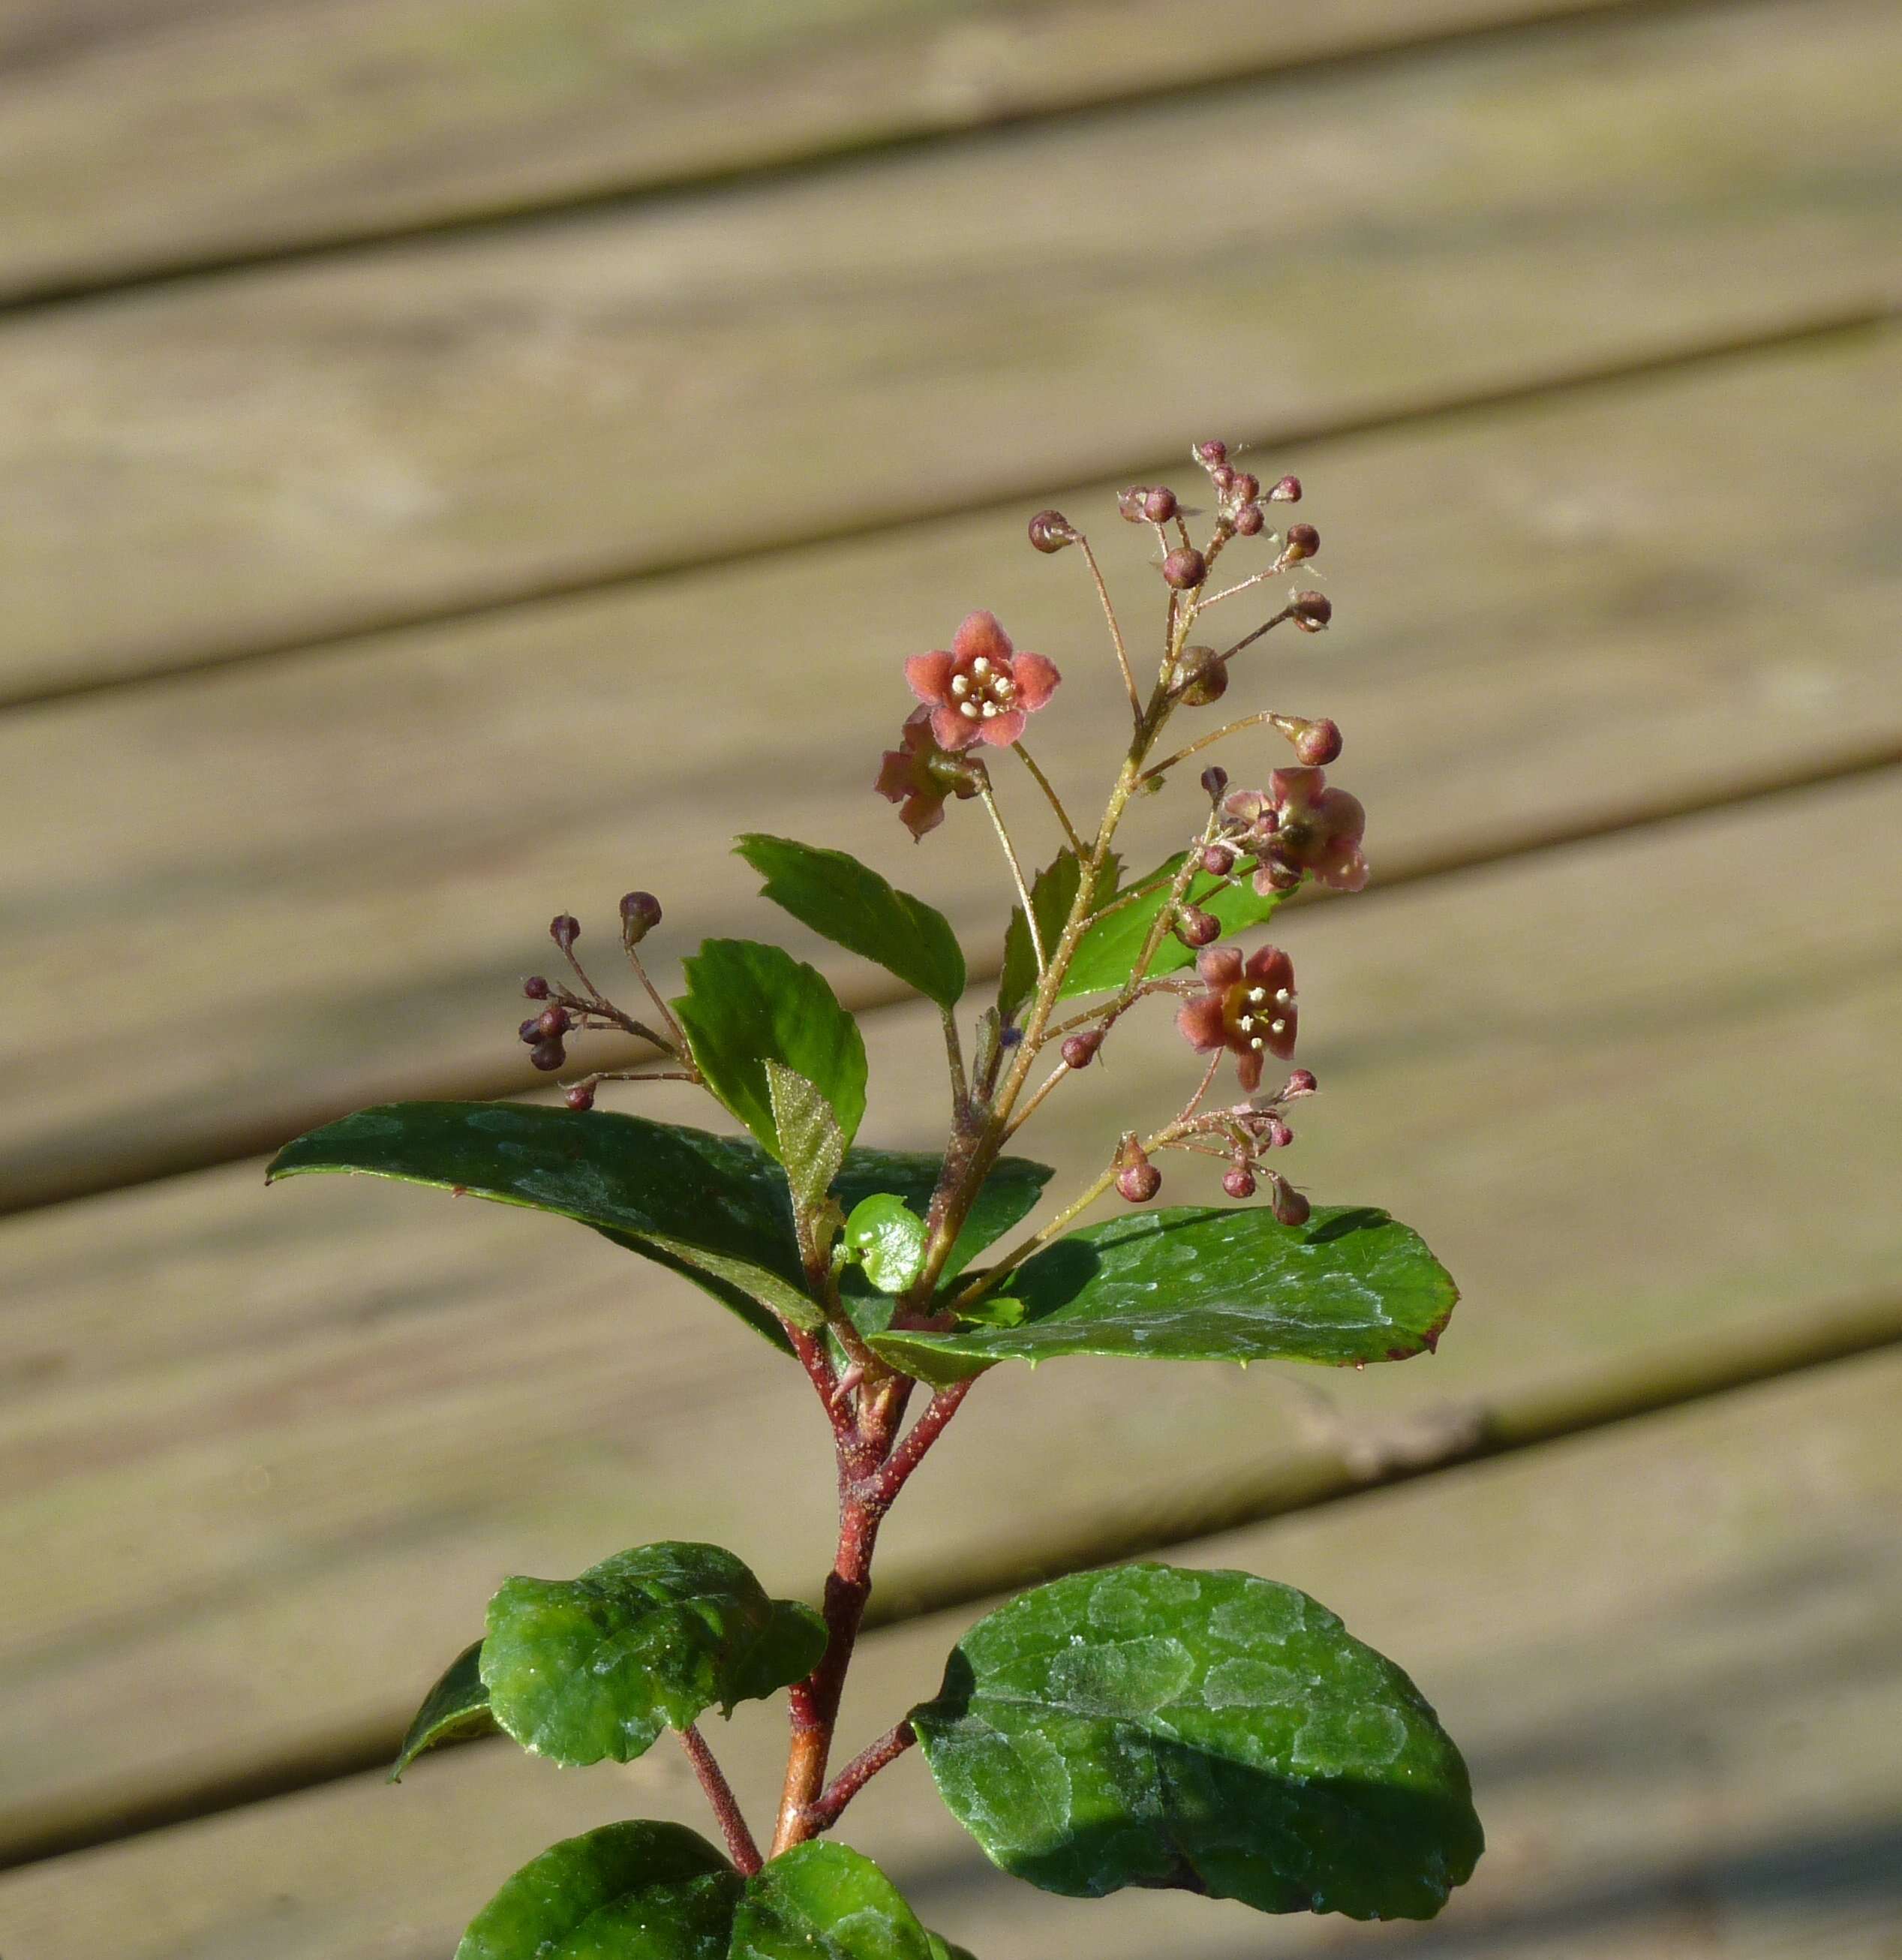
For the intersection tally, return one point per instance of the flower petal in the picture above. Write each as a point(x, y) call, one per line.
point(1003, 730)
point(950, 730)
point(981, 634)
point(1248, 1067)
point(1282, 1044)
point(928, 676)
point(1201, 1022)
point(895, 782)
point(922, 813)
point(1220, 966)
point(1036, 679)
point(1268, 966)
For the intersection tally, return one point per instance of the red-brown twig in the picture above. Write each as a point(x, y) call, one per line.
point(859, 1772)
point(726, 1807)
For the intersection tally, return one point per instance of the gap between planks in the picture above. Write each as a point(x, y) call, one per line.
point(1178, 69)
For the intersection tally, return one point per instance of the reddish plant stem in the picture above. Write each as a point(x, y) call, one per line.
point(894, 1472)
point(859, 1772)
point(720, 1794)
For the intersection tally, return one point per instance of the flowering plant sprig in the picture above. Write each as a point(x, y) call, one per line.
point(1146, 1725)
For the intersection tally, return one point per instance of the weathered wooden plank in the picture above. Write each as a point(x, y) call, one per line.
point(140, 139)
point(274, 1451)
point(1667, 1649)
point(195, 473)
point(295, 888)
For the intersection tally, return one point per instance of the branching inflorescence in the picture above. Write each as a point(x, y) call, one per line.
point(1143, 1726)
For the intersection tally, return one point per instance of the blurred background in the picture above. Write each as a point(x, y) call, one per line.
point(461, 459)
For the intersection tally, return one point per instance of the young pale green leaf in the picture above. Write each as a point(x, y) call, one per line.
point(1052, 893)
point(850, 904)
point(1224, 1283)
point(824, 1901)
point(747, 1005)
point(1209, 1730)
point(811, 1146)
point(889, 1239)
point(627, 1891)
point(715, 1209)
point(578, 1669)
point(1107, 953)
point(456, 1709)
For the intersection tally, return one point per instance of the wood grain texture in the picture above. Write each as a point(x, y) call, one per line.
point(293, 889)
point(143, 138)
point(1666, 1650)
point(273, 1451)
point(191, 474)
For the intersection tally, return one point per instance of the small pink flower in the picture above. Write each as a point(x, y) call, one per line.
point(1301, 825)
point(1248, 1008)
point(918, 775)
point(981, 690)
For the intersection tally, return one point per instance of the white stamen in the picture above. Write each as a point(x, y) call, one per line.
point(1003, 689)
point(1278, 1027)
point(960, 685)
point(1282, 996)
point(990, 709)
point(1256, 1043)
point(981, 664)
point(969, 707)
point(1256, 995)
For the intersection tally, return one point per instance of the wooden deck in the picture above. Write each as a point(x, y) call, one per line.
point(404, 407)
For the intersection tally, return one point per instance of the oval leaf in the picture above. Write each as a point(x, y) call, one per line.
point(1107, 953)
point(850, 904)
point(1209, 1730)
point(578, 1669)
point(1226, 1283)
point(888, 1238)
point(456, 1709)
point(627, 1891)
point(747, 1005)
point(810, 1145)
point(822, 1902)
point(647, 1187)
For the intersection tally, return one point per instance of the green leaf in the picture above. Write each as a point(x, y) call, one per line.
point(824, 1901)
point(942, 1949)
point(1107, 953)
point(747, 1005)
point(1226, 1283)
point(811, 1146)
point(715, 1209)
point(578, 1669)
point(1209, 1730)
point(850, 904)
point(456, 1709)
point(890, 1240)
point(627, 1891)
point(1052, 893)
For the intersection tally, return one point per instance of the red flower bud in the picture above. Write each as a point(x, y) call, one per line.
point(1140, 1183)
point(1301, 1082)
point(551, 1023)
point(1318, 744)
point(1222, 477)
point(1185, 569)
point(640, 914)
point(1288, 491)
point(1246, 488)
point(581, 1096)
point(1248, 521)
point(1312, 610)
point(1208, 454)
point(1160, 506)
point(1276, 1135)
point(1219, 860)
point(1215, 780)
point(531, 1030)
point(564, 930)
point(1201, 676)
point(535, 988)
point(547, 1056)
point(1193, 927)
point(1130, 503)
point(1303, 542)
point(1239, 1182)
point(1079, 1051)
point(1050, 531)
point(1290, 1206)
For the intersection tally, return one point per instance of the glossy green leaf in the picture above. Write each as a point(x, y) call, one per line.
point(850, 904)
point(1209, 1730)
point(1052, 893)
point(578, 1669)
point(713, 1209)
point(889, 1239)
point(1220, 1284)
point(746, 1004)
point(811, 1146)
point(456, 1709)
point(1107, 953)
point(627, 1891)
point(824, 1901)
